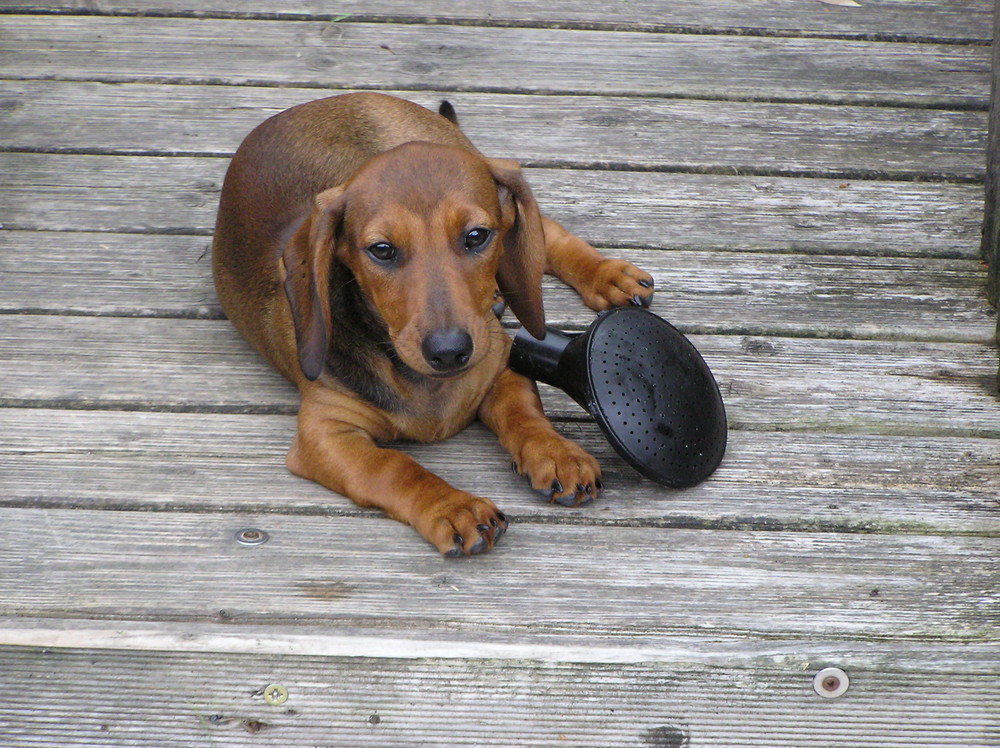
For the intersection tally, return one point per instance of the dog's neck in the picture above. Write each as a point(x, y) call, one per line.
point(360, 348)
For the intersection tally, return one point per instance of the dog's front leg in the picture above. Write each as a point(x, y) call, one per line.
point(602, 282)
point(345, 458)
point(557, 468)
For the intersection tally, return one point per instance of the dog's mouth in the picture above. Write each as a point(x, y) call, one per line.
point(446, 375)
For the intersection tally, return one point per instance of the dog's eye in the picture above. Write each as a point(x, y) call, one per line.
point(382, 252)
point(476, 238)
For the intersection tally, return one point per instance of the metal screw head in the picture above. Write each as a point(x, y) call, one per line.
point(275, 695)
point(251, 536)
point(831, 682)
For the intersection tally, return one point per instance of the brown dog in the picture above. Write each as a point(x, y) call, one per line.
point(359, 246)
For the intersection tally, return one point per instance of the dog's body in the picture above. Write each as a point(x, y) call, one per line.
point(359, 245)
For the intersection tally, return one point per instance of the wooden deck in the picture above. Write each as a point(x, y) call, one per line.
point(804, 181)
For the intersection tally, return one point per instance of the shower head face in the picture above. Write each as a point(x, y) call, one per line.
point(654, 397)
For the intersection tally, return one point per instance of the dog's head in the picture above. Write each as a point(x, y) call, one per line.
point(429, 232)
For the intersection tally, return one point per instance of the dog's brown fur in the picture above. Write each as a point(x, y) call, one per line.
point(308, 195)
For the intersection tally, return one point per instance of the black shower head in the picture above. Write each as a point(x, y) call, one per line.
point(644, 383)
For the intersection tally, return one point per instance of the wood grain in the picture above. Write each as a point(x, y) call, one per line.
point(769, 480)
point(635, 133)
point(649, 210)
point(966, 20)
point(377, 572)
point(159, 698)
point(700, 292)
point(506, 60)
point(767, 383)
point(991, 208)
point(790, 171)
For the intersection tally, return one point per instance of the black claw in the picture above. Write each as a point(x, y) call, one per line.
point(498, 529)
point(513, 467)
point(502, 517)
point(479, 546)
point(599, 485)
point(458, 539)
point(580, 488)
point(635, 300)
point(482, 528)
point(647, 283)
point(557, 487)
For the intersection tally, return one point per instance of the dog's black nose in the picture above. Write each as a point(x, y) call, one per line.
point(447, 350)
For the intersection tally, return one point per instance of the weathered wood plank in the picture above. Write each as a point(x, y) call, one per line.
point(495, 59)
point(705, 292)
point(991, 218)
point(579, 644)
point(669, 134)
point(804, 481)
point(170, 700)
point(674, 211)
point(375, 571)
point(967, 20)
point(767, 383)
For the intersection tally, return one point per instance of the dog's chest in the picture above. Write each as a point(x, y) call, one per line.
point(436, 413)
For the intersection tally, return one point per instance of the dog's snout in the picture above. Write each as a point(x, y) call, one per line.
point(447, 350)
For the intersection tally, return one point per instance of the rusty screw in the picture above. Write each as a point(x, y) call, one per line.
point(831, 682)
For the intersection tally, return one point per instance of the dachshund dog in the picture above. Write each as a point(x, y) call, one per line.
point(360, 246)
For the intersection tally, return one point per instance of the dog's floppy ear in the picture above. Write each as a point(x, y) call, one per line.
point(519, 275)
point(306, 262)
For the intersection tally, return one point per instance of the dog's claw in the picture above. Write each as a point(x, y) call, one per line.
point(479, 546)
point(647, 283)
point(637, 300)
point(498, 529)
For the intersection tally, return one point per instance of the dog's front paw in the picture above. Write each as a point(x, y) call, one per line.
point(617, 283)
point(461, 524)
point(559, 470)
